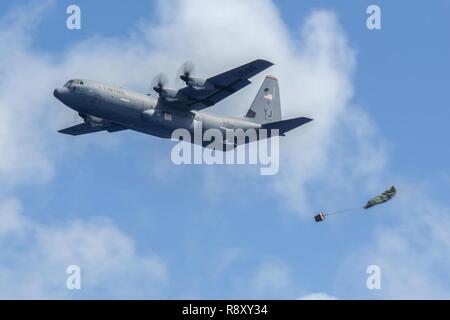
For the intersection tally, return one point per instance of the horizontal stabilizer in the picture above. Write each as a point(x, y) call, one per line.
point(85, 128)
point(286, 125)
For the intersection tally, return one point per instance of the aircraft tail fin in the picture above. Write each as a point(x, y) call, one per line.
point(286, 125)
point(266, 105)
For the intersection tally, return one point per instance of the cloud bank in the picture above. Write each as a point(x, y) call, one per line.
point(35, 257)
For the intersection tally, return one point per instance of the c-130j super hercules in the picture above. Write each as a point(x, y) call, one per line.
point(115, 109)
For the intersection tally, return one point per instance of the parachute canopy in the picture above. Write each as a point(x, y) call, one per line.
point(385, 196)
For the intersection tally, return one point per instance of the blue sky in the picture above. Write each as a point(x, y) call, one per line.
point(141, 227)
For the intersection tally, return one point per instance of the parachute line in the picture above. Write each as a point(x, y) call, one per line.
point(343, 211)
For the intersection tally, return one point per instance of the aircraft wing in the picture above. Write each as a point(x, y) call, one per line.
point(223, 85)
point(85, 128)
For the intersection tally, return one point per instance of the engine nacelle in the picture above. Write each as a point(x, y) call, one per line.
point(198, 83)
point(94, 121)
point(166, 92)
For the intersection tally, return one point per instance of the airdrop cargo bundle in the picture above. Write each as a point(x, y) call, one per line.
point(382, 198)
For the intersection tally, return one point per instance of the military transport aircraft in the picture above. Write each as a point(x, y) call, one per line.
point(112, 109)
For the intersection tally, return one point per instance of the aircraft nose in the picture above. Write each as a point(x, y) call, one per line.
point(59, 92)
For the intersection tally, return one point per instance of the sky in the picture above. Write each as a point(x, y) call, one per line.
point(139, 226)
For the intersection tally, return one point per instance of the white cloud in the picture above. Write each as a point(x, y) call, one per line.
point(272, 279)
point(318, 296)
point(30, 115)
point(24, 100)
point(225, 260)
point(34, 258)
point(11, 221)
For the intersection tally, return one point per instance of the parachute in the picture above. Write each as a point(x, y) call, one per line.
point(385, 196)
point(382, 198)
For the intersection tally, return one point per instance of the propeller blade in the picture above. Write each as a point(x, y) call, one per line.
point(159, 82)
point(186, 70)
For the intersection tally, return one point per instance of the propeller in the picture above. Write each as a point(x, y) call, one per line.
point(159, 82)
point(186, 70)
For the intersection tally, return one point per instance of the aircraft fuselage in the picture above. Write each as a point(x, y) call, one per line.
point(137, 111)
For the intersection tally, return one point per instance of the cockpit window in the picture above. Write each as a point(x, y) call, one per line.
point(73, 82)
point(68, 84)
